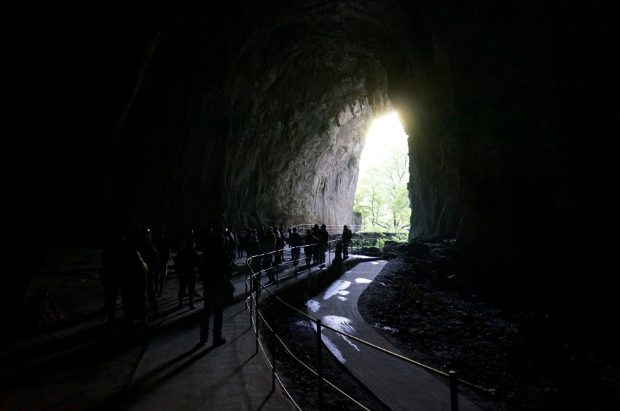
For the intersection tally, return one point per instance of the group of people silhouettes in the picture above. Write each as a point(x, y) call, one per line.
point(137, 265)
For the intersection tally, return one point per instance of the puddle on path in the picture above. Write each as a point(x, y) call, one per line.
point(330, 345)
point(342, 298)
point(363, 280)
point(341, 324)
point(337, 287)
point(313, 305)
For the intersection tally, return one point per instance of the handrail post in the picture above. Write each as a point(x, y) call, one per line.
point(319, 362)
point(256, 317)
point(251, 295)
point(273, 362)
point(454, 395)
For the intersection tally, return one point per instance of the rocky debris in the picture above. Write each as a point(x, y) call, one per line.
point(372, 251)
point(417, 249)
point(431, 313)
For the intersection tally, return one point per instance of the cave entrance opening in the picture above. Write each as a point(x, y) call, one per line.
point(381, 196)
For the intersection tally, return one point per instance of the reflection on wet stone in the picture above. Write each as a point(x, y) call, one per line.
point(337, 287)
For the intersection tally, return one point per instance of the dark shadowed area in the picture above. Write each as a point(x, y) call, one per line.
point(186, 114)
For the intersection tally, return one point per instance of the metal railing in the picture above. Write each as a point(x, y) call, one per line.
point(253, 292)
point(332, 227)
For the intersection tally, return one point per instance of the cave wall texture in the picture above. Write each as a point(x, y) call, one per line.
point(186, 113)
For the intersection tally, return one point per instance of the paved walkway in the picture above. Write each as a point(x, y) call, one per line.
point(176, 374)
point(398, 384)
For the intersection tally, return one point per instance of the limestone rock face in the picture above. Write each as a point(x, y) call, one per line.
point(272, 135)
point(186, 114)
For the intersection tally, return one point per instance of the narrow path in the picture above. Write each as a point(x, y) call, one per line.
point(175, 374)
point(398, 384)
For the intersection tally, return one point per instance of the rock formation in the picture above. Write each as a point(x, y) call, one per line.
point(187, 113)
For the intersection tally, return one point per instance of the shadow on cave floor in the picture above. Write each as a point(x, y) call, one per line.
point(61, 348)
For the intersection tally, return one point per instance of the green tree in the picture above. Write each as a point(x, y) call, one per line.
point(381, 195)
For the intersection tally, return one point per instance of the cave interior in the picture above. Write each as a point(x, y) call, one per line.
point(186, 114)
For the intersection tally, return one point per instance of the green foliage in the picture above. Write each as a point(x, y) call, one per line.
point(381, 197)
point(401, 238)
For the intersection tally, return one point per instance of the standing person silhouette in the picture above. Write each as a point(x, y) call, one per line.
point(149, 256)
point(346, 240)
point(323, 240)
point(310, 242)
point(269, 245)
point(218, 292)
point(186, 262)
point(163, 247)
point(315, 254)
point(295, 242)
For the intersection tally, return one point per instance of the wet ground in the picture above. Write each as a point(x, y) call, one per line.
point(422, 307)
point(301, 339)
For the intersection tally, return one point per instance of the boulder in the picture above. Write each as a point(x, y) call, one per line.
point(416, 249)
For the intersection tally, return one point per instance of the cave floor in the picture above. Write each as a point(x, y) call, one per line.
point(398, 384)
point(63, 356)
point(422, 306)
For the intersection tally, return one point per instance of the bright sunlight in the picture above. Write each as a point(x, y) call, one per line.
point(381, 197)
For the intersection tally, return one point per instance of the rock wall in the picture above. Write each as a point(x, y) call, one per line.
point(186, 114)
point(273, 135)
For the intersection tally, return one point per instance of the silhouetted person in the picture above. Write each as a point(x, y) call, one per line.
point(133, 286)
point(315, 250)
point(186, 263)
point(255, 251)
point(188, 235)
point(338, 253)
point(163, 247)
point(280, 243)
point(347, 235)
point(241, 239)
point(310, 245)
point(295, 242)
point(323, 240)
point(269, 245)
point(150, 257)
point(232, 243)
point(218, 294)
point(260, 234)
point(113, 266)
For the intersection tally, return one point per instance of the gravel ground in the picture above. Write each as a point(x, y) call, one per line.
point(422, 307)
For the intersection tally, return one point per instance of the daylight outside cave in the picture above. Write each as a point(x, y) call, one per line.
point(381, 196)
